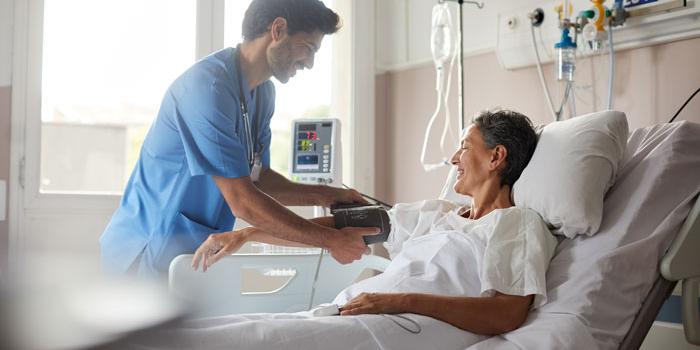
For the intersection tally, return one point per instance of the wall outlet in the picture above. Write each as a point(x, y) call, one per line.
point(3, 199)
point(512, 22)
point(514, 39)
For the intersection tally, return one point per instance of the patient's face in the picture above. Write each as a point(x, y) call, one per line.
point(472, 162)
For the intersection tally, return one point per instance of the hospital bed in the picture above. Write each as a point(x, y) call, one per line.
point(604, 291)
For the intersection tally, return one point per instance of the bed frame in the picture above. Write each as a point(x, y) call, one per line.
point(681, 263)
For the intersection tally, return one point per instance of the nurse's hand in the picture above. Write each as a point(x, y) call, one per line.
point(217, 246)
point(341, 195)
point(373, 303)
point(348, 245)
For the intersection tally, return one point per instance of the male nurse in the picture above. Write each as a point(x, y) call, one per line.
point(206, 158)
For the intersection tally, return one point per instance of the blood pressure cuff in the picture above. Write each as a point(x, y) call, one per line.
point(364, 216)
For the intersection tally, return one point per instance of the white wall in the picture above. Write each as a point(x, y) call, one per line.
point(404, 26)
point(6, 33)
point(403, 30)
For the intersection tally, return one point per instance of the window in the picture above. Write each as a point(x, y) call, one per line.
point(106, 65)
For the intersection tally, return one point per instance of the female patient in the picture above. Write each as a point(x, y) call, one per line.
point(479, 268)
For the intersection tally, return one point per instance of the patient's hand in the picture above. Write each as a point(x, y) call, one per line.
point(217, 246)
point(373, 303)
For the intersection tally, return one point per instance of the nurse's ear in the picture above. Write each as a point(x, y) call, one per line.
point(278, 29)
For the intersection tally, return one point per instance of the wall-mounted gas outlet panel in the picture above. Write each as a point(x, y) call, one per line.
point(650, 23)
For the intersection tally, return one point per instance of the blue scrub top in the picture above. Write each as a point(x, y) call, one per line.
point(171, 203)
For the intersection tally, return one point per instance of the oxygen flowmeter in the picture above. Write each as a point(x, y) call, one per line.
point(316, 152)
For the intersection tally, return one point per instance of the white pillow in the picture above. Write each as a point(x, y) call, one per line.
point(574, 164)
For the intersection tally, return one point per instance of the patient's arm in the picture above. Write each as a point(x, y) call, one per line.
point(482, 315)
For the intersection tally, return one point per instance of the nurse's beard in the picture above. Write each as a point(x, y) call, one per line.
point(280, 61)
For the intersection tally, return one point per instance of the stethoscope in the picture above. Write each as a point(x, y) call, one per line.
point(251, 133)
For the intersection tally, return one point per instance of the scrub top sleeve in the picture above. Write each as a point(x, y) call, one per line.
point(208, 124)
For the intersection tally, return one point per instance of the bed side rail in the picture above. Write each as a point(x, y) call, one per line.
point(219, 290)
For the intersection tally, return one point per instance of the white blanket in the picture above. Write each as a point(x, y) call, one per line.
point(304, 332)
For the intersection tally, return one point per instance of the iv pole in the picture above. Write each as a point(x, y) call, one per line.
point(479, 5)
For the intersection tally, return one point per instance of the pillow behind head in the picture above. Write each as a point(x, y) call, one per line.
point(574, 164)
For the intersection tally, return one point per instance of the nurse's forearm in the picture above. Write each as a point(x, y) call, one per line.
point(288, 192)
point(253, 234)
point(260, 210)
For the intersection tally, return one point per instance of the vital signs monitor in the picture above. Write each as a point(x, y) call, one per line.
point(316, 151)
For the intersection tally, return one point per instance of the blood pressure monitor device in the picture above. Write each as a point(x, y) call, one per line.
point(358, 215)
point(316, 152)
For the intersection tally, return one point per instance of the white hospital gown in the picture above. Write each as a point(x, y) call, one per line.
point(435, 250)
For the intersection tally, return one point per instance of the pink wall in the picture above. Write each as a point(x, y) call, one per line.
point(651, 84)
point(5, 97)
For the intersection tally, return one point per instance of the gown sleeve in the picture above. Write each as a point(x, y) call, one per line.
point(409, 220)
point(517, 255)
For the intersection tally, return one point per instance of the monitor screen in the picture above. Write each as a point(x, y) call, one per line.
point(313, 148)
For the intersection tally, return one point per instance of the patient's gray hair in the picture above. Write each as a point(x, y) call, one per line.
point(513, 131)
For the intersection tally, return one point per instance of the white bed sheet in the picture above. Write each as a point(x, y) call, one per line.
point(596, 285)
point(305, 332)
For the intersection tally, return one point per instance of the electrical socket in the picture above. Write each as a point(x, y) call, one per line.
point(512, 22)
point(514, 41)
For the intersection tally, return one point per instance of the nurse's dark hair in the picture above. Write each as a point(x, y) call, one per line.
point(515, 132)
point(301, 15)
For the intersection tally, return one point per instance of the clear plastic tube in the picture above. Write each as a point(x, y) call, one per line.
point(572, 100)
point(431, 166)
point(318, 268)
point(539, 71)
point(611, 80)
point(442, 50)
point(448, 130)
